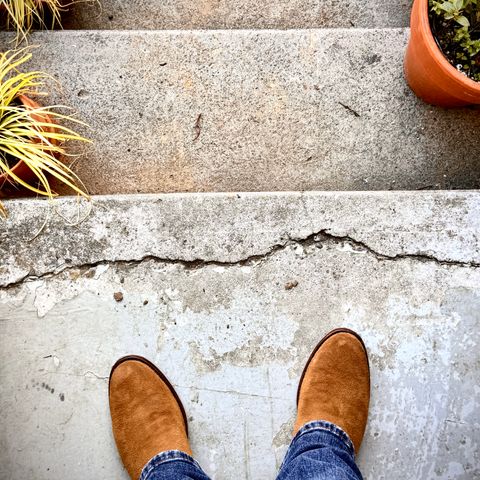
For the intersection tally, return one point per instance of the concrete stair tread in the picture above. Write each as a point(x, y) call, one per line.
point(442, 225)
point(204, 281)
point(324, 109)
point(214, 14)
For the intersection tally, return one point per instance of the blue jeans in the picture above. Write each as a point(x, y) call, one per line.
point(319, 451)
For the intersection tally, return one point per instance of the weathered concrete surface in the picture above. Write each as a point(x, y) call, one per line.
point(223, 229)
point(229, 334)
point(207, 14)
point(255, 111)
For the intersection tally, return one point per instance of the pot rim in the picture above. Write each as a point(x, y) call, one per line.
point(437, 53)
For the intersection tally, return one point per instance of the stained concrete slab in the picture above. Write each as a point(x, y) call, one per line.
point(182, 111)
point(215, 14)
point(204, 281)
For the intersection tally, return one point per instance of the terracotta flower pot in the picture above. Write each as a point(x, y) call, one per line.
point(428, 72)
point(20, 168)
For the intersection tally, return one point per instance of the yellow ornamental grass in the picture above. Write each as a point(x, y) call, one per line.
point(23, 14)
point(32, 134)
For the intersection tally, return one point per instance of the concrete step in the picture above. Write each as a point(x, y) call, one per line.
point(215, 14)
point(206, 296)
point(255, 111)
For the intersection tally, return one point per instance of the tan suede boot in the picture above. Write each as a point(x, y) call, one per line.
point(147, 415)
point(335, 385)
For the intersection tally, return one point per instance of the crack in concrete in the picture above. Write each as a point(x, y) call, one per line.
point(322, 237)
point(229, 392)
point(420, 256)
point(87, 374)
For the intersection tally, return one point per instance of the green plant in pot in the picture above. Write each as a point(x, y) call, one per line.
point(456, 26)
point(32, 137)
point(442, 63)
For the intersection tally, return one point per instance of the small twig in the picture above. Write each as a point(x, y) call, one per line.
point(40, 230)
point(197, 127)
point(349, 109)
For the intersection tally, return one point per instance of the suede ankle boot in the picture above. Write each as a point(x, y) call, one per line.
point(335, 385)
point(147, 415)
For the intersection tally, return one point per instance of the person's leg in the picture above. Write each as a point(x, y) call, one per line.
point(149, 423)
point(332, 400)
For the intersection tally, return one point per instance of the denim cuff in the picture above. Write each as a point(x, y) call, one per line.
point(327, 427)
point(164, 457)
